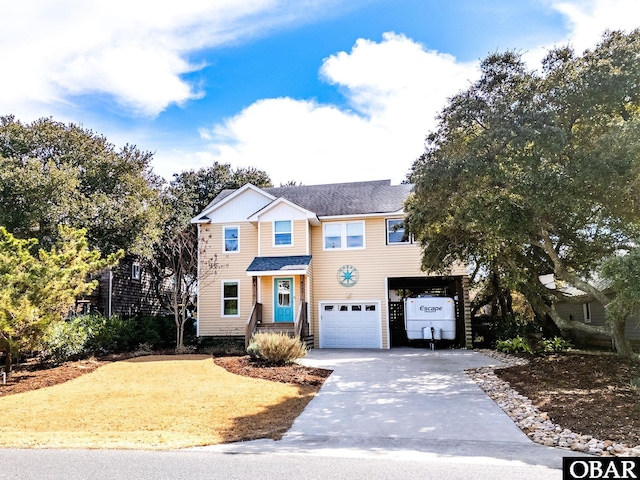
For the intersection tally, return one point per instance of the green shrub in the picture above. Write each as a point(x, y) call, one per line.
point(514, 345)
point(556, 344)
point(64, 341)
point(86, 335)
point(276, 348)
point(513, 326)
point(108, 335)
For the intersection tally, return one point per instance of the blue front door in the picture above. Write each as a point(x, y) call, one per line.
point(283, 299)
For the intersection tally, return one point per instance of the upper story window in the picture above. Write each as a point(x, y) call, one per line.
point(283, 232)
point(396, 232)
point(341, 235)
point(231, 237)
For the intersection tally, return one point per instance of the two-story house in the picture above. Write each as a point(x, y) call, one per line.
point(332, 261)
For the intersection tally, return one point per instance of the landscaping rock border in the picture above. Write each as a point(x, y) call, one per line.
point(536, 424)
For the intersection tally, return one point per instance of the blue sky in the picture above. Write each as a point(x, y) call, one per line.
point(314, 91)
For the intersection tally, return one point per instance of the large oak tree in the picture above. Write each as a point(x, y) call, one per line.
point(537, 172)
point(53, 174)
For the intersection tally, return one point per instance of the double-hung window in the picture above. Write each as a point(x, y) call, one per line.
point(343, 235)
point(283, 233)
point(396, 232)
point(230, 299)
point(231, 239)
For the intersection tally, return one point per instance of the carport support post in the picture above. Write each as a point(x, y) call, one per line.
point(468, 336)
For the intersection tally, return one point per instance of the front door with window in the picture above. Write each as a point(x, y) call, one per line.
point(283, 299)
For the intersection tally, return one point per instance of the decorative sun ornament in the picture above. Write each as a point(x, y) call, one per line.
point(348, 275)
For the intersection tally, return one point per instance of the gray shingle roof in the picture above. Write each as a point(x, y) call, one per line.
point(346, 198)
point(352, 198)
point(271, 264)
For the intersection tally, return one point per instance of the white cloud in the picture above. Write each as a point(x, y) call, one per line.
point(395, 88)
point(134, 51)
point(588, 19)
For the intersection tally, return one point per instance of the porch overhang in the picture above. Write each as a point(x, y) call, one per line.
point(271, 266)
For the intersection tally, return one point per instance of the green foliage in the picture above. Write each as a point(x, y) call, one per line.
point(514, 326)
point(623, 272)
point(85, 335)
point(276, 348)
point(532, 172)
point(52, 173)
point(520, 345)
point(64, 341)
point(516, 345)
point(94, 334)
point(555, 345)
point(38, 288)
point(108, 335)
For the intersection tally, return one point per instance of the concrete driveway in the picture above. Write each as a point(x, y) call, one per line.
point(409, 403)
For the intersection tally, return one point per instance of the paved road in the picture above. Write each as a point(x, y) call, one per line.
point(202, 465)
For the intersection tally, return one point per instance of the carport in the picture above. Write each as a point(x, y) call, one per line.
point(456, 287)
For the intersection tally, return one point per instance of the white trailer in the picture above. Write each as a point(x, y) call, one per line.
point(430, 318)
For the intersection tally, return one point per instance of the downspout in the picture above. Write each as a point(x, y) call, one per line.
point(110, 293)
point(198, 294)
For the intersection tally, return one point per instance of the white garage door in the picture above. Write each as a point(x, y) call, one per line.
point(350, 325)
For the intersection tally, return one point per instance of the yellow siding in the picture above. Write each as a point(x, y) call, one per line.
point(266, 298)
point(299, 247)
point(234, 266)
point(377, 262)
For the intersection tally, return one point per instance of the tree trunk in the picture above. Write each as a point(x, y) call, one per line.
point(179, 329)
point(620, 340)
point(8, 361)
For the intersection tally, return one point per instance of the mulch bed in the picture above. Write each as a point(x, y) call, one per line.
point(590, 394)
point(294, 373)
point(34, 375)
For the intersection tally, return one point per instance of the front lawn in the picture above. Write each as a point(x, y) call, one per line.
point(154, 402)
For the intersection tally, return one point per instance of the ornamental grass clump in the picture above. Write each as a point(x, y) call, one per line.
point(276, 348)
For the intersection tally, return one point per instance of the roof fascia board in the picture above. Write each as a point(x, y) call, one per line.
point(276, 273)
point(361, 215)
point(224, 201)
point(312, 217)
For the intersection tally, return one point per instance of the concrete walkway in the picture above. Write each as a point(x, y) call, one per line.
point(408, 403)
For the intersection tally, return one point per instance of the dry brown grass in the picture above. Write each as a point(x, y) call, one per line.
point(155, 402)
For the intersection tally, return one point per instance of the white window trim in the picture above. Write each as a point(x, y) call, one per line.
point(222, 298)
point(273, 238)
point(224, 238)
point(136, 271)
point(343, 235)
point(386, 227)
